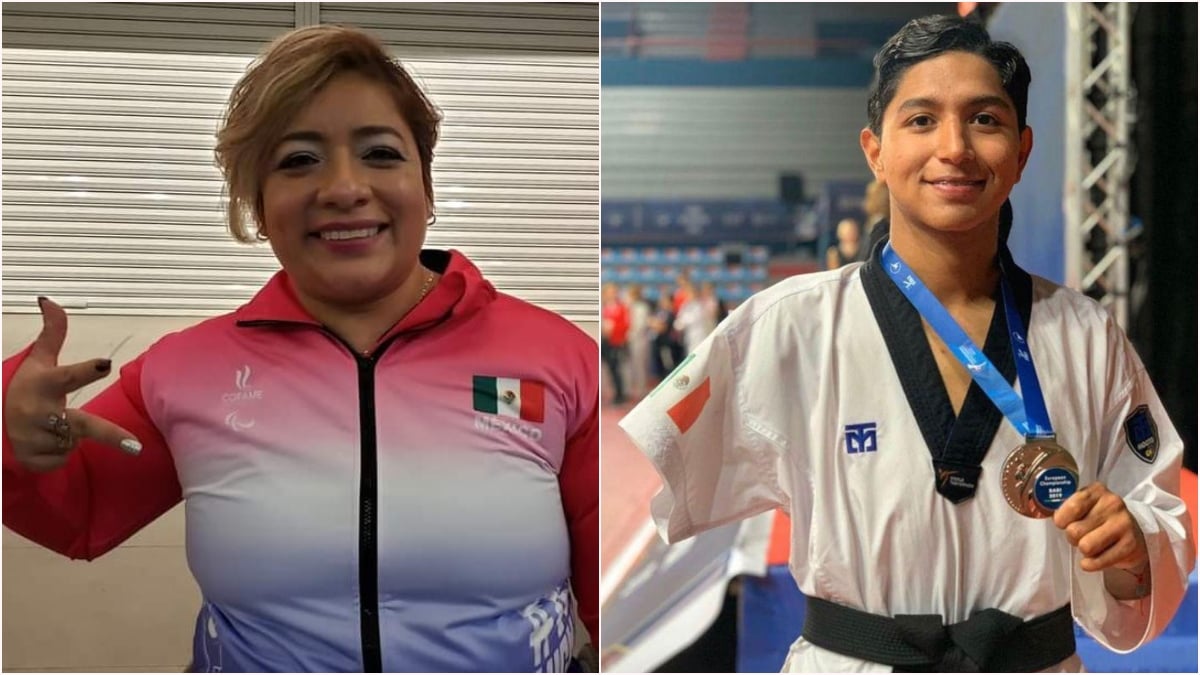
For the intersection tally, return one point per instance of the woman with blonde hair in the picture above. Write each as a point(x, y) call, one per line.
point(386, 463)
point(846, 249)
point(876, 205)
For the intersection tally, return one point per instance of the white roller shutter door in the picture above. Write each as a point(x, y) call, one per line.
point(112, 203)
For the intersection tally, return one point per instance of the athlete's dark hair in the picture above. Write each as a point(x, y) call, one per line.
point(932, 36)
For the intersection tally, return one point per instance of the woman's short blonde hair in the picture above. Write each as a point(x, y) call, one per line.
point(283, 79)
point(876, 202)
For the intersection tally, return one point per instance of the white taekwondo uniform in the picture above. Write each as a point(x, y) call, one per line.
point(799, 401)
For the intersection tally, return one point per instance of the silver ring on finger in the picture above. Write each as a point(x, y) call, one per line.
point(61, 428)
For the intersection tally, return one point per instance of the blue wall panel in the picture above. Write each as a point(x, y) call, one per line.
point(849, 72)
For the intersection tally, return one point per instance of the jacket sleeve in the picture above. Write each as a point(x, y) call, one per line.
point(1141, 463)
point(101, 496)
point(579, 480)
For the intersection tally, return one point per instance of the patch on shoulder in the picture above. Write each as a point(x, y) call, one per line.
point(1142, 434)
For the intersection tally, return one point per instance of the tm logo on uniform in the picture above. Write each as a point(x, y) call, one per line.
point(861, 438)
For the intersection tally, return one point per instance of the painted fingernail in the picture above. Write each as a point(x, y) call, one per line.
point(131, 446)
point(41, 302)
point(104, 366)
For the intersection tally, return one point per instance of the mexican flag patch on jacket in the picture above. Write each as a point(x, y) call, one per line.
point(510, 397)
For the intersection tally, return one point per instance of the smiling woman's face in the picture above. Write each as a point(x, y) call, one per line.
point(949, 149)
point(343, 198)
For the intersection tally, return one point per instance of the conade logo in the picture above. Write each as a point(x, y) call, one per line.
point(241, 380)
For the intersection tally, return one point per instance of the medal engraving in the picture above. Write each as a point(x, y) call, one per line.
point(1038, 477)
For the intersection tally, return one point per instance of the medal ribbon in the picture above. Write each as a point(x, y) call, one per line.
point(1028, 415)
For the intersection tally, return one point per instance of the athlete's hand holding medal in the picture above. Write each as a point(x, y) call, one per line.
point(1040, 478)
point(1097, 523)
point(43, 432)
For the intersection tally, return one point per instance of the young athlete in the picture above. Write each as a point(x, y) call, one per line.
point(971, 456)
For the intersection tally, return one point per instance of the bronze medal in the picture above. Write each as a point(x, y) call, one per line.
point(1038, 477)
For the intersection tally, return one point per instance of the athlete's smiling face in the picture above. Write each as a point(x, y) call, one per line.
point(343, 199)
point(949, 146)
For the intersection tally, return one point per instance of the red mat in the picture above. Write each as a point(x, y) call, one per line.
point(627, 482)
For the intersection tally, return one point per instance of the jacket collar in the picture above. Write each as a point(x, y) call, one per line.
point(459, 292)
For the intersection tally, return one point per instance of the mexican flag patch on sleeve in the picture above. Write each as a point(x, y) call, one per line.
point(510, 397)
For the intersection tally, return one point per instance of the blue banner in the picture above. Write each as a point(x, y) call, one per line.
point(696, 222)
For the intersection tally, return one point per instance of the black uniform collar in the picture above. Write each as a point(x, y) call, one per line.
point(954, 444)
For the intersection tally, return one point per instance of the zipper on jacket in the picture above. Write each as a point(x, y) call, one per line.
point(368, 498)
point(368, 494)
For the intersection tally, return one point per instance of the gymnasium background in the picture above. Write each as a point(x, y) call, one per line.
point(730, 152)
point(112, 207)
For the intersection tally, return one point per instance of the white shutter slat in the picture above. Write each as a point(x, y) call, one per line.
point(132, 29)
point(398, 12)
point(577, 69)
point(526, 231)
point(152, 177)
point(92, 202)
point(267, 13)
point(387, 13)
point(83, 65)
point(206, 93)
point(27, 157)
point(439, 29)
point(136, 27)
point(142, 183)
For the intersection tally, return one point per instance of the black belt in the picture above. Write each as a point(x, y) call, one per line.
point(990, 641)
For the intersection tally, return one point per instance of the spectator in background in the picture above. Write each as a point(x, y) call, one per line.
point(666, 352)
point(614, 335)
point(684, 291)
point(711, 306)
point(665, 291)
point(640, 337)
point(846, 250)
point(692, 321)
point(877, 205)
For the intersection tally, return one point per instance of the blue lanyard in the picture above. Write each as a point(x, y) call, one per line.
point(1029, 416)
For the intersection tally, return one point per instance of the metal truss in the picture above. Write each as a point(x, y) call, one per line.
point(1099, 158)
